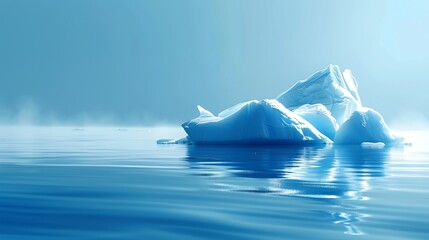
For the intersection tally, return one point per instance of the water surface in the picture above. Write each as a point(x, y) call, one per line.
point(117, 183)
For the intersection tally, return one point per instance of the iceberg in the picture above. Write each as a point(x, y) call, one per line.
point(329, 87)
point(365, 126)
point(253, 122)
point(322, 109)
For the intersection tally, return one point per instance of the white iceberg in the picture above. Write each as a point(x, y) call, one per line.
point(320, 118)
point(365, 126)
point(253, 122)
point(323, 108)
point(335, 90)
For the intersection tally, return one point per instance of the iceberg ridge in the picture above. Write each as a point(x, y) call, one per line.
point(327, 87)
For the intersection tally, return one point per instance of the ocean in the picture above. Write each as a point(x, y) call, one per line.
point(117, 183)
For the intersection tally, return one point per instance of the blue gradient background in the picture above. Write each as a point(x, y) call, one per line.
point(151, 62)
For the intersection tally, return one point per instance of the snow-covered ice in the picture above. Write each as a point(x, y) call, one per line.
point(323, 108)
point(253, 122)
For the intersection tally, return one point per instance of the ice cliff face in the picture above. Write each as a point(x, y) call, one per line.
point(323, 108)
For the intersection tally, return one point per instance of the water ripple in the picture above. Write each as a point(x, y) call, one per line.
point(115, 183)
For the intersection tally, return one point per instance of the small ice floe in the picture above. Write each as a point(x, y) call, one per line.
point(166, 141)
point(373, 145)
point(173, 141)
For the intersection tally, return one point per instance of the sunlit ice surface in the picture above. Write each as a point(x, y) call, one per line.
point(117, 183)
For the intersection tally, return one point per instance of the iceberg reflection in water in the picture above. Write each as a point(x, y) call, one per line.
point(335, 175)
point(115, 183)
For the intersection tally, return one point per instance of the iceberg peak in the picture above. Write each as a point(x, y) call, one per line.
point(204, 112)
point(328, 87)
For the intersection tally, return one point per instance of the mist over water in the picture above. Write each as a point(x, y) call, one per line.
point(28, 113)
point(142, 62)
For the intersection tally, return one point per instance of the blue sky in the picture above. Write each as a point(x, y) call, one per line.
point(149, 62)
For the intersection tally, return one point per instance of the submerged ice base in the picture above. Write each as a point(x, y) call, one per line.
point(324, 108)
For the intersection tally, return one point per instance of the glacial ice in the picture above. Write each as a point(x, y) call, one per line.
point(253, 122)
point(319, 117)
point(365, 125)
point(336, 91)
point(324, 108)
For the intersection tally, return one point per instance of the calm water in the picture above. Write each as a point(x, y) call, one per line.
point(115, 183)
